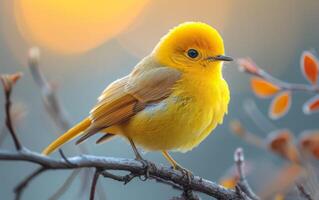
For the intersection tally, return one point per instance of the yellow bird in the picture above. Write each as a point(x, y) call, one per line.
point(172, 100)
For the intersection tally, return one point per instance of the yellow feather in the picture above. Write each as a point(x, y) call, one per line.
point(66, 137)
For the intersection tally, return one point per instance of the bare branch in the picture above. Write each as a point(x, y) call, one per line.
point(243, 183)
point(50, 100)
point(303, 192)
point(94, 182)
point(250, 67)
point(20, 188)
point(7, 82)
point(133, 166)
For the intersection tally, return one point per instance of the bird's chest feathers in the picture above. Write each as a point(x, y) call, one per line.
point(191, 107)
point(180, 121)
point(200, 99)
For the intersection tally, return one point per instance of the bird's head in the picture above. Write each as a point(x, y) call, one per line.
point(192, 47)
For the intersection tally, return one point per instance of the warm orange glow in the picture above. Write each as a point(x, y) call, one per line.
point(263, 88)
point(72, 26)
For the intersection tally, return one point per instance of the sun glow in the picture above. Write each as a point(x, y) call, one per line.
point(74, 26)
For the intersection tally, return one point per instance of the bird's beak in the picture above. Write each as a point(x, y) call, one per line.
point(220, 58)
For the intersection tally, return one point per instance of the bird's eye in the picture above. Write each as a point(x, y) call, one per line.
point(192, 53)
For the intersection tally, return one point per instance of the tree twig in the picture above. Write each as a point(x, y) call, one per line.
point(50, 100)
point(248, 66)
point(303, 192)
point(52, 105)
point(94, 183)
point(23, 184)
point(243, 183)
point(8, 81)
point(135, 167)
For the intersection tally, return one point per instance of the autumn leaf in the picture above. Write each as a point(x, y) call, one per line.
point(312, 105)
point(309, 142)
point(263, 88)
point(280, 105)
point(229, 182)
point(281, 143)
point(309, 67)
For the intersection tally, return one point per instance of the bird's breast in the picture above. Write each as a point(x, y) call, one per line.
point(177, 122)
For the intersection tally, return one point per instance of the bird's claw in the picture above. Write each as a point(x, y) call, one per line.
point(186, 173)
point(146, 166)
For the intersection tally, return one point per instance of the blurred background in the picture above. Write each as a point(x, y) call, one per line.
point(87, 44)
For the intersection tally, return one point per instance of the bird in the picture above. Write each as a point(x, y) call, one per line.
point(171, 101)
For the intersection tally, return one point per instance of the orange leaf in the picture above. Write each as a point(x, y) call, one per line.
point(309, 67)
point(309, 142)
point(312, 105)
point(281, 143)
point(280, 105)
point(263, 88)
point(229, 182)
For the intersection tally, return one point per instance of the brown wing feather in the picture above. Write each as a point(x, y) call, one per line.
point(153, 85)
point(129, 95)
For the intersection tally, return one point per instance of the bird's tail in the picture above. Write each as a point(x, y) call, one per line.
point(67, 136)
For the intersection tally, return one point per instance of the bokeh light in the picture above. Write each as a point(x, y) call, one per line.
point(74, 26)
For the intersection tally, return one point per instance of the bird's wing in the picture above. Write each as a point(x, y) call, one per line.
point(129, 95)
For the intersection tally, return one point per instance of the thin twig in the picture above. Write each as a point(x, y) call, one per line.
point(64, 157)
point(243, 183)
point(303, 192)
point(125, 179)
point(7, 82)
point(52, 104)
point(197, 184)
point(24, 183)
point(174, 185)
point(94, 182)
point(50, 100)
point(250, 67)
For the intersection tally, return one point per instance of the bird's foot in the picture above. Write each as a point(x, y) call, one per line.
point(186, 173)
point(146, 165)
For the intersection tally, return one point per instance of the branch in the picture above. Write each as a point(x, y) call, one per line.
point(303, 192)
point(130, 165)
point(54, 109)
point(20, 188)
point(8, 82)
point(94, 182)
point(243, 183)
point(49, 97)
point(250, 67)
